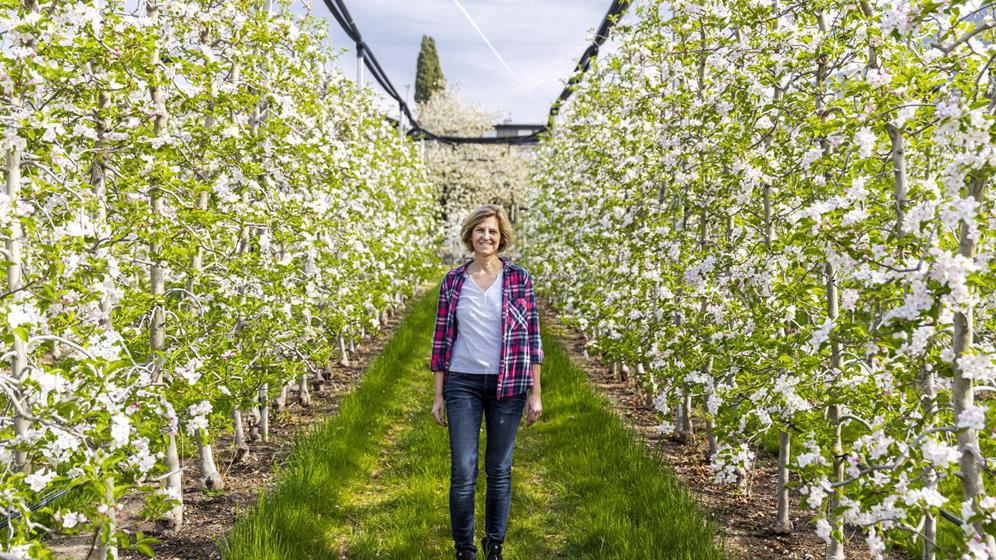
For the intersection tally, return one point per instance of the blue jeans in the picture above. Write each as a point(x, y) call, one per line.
point(468, 395)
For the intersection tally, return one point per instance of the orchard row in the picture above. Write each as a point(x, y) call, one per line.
point(781, 217)
point(198, 212)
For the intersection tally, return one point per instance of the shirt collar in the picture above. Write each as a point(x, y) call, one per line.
point(506, 262)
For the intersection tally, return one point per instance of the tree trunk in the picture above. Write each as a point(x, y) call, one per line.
point(19, 358)
point(280, 402)
point(99, 182)
point(835, 549)
point(264, 412)
point(928, 392)
point(899, 172)
point(303, 395)
point(686, 433)
point(211, 479)
point(173, 520)
point(107, 550)
point(783, 524)
point(157, 335)
point(972, 484)
point(342, 350)
point(712, 447)
point(241, 448)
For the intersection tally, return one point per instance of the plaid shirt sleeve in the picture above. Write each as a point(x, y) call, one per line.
point(535, 343)
point(439, 336)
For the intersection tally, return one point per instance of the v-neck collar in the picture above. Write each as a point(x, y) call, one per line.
point(492, 285)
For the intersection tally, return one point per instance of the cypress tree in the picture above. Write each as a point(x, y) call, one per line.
point(429, 75)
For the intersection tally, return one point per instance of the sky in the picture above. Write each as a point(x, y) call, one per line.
point(538, 43)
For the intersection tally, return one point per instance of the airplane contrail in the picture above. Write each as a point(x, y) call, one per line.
point(485, 39)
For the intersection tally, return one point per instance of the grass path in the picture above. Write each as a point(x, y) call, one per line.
point(373, 481)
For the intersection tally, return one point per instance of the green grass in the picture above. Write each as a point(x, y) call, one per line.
point(373, 481)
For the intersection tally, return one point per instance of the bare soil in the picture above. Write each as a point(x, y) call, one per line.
point(742, 519)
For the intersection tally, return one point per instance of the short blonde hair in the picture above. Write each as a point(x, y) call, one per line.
point(480, 214)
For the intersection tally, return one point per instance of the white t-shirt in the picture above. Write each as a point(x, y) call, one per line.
point(477, 348)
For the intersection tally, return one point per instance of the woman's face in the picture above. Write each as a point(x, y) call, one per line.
point(486, 237)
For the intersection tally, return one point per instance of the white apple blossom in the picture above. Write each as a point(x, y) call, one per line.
point(864, 138)
point(939, 453)
point(71, 519)
point(973, 417)
point(40, 479)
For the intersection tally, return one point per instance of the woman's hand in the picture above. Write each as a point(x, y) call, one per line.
point(439, 410)
point(534, 408)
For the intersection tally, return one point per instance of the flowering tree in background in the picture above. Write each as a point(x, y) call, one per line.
point(781, 217)
point(468, 175)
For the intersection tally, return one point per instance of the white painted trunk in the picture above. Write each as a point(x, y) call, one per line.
point(240, 447)
point(99, 182)
point(783, 524)
point(712, 447)
point(107, 550)
point(972, 484)
point(835, 549)
point(19, 358)
point(899, 173)
point(928, 392)
point(157, 326)
point(173, 520)
point(210, 479)
point(303, 395)
point(685, 430)
point(280, 402)
point(264, 411)
point(342, 351)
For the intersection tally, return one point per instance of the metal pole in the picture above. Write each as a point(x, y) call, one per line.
point(359, 64)
point(401, 123)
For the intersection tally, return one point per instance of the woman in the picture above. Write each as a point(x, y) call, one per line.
point(486, 355)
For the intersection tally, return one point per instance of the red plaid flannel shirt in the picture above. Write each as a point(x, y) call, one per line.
point(520, 329)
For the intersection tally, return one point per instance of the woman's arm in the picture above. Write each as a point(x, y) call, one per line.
point(536, 389)
point(438, 402)
point(534, 402)
point(534, 399)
